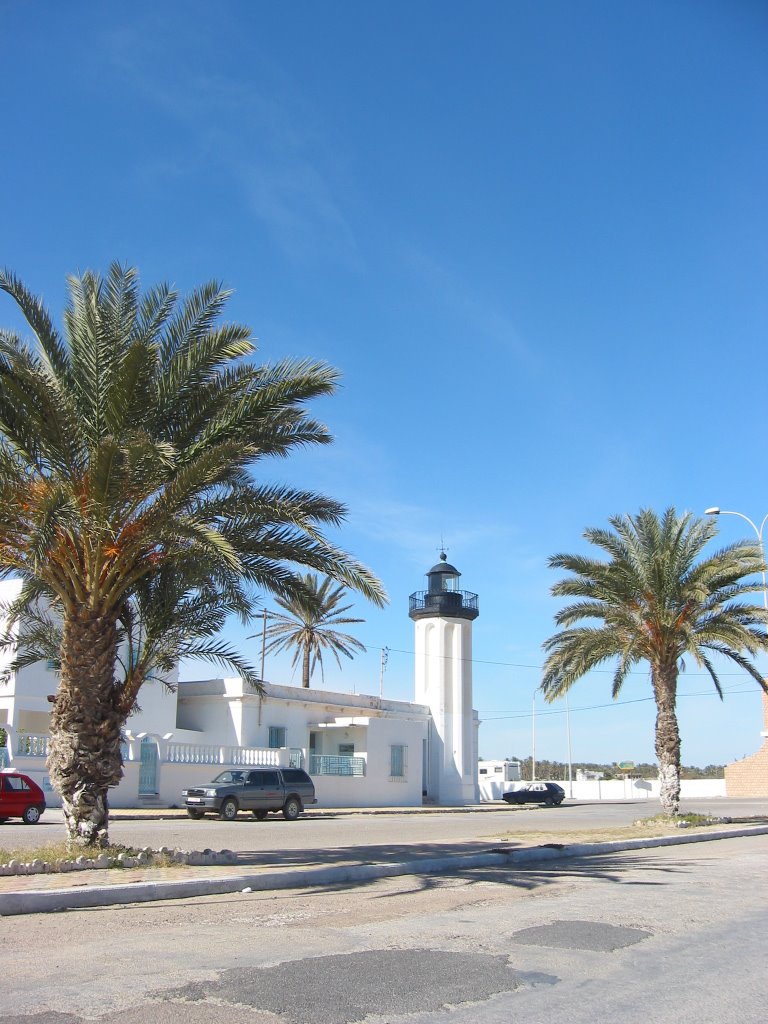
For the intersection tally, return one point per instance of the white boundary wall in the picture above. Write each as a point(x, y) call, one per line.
point(617, 789)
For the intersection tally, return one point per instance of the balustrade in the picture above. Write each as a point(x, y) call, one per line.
point(34, 745)
point(31, 744)
point(193, 753)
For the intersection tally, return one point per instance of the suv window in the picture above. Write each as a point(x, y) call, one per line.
point(263, 779)
point(230, 777)
point(295, 775)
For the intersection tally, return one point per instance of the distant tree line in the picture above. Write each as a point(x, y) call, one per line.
point(559, 770)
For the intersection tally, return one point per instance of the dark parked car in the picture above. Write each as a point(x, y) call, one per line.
point(536, 793)
point(259, 790)
point(20, 797)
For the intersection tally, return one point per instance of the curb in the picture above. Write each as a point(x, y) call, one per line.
point(39, 901)
point(164, 813)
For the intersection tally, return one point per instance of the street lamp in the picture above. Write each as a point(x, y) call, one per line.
point(570, 757)
point(715, 511)
point(533, 738)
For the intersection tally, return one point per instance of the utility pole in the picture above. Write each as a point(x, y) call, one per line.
point(263, 642)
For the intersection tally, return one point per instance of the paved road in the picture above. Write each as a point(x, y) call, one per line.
point(314, 838)
point(669, 935)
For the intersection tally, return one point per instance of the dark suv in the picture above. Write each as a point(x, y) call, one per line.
point(259, 790)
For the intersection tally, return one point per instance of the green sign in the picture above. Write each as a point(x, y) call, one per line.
point(625, 766)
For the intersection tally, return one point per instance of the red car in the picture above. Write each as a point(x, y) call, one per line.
point(20, 797)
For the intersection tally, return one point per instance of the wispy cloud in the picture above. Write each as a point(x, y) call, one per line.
point(253, 127)
point(414, 531)
point(481, 315)
point(295, 203)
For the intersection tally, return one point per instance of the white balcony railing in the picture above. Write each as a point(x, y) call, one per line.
point(248, 757)
point(36, 745)
point(193, 753)
point(252, 756)
point(31, 744)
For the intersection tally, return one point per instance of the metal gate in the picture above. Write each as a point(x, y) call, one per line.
point(148, 767)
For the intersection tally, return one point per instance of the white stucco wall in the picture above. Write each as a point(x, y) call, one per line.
point(23, 696)
point(617, 789)
point(157, 708)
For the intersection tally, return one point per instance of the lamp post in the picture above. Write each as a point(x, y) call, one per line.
point(533, 740)
point(570, 757)
point(716, 511)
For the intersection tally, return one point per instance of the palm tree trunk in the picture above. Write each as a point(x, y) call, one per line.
point(84, 758)
point(667, 738)
point(305, 667)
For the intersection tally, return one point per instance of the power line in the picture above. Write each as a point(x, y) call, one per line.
point(537, 668)
point(489, 716)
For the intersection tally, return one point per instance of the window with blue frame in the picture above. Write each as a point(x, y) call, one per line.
point(398, 761)
point(277, 737)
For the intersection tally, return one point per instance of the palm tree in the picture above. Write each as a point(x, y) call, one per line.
point(126, 445)
point(307, 626)
point(653, 601)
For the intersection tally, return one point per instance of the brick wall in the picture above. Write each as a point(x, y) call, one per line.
point(749, 777)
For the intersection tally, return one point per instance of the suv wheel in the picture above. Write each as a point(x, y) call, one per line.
point(291, 808)
point(228, 811)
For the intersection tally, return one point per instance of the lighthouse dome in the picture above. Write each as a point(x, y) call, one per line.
point(444, 566)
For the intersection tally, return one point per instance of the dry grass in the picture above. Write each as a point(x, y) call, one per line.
point(645, 828)
point(55, 854)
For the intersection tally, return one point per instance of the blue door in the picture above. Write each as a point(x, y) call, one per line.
point(148, 767)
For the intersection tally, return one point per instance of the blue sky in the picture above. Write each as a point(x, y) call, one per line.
point(533, 237)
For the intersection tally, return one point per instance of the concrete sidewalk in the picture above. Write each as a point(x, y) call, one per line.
point(27, 894)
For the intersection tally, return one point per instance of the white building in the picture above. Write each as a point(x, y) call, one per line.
point(360, 750)
point(496, 778)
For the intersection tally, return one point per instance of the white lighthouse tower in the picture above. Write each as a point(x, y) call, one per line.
point(443, 616)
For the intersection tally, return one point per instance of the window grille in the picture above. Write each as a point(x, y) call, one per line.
point(397, 761)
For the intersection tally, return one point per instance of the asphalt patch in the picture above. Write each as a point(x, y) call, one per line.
point(583, 935)
point(345, 988)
